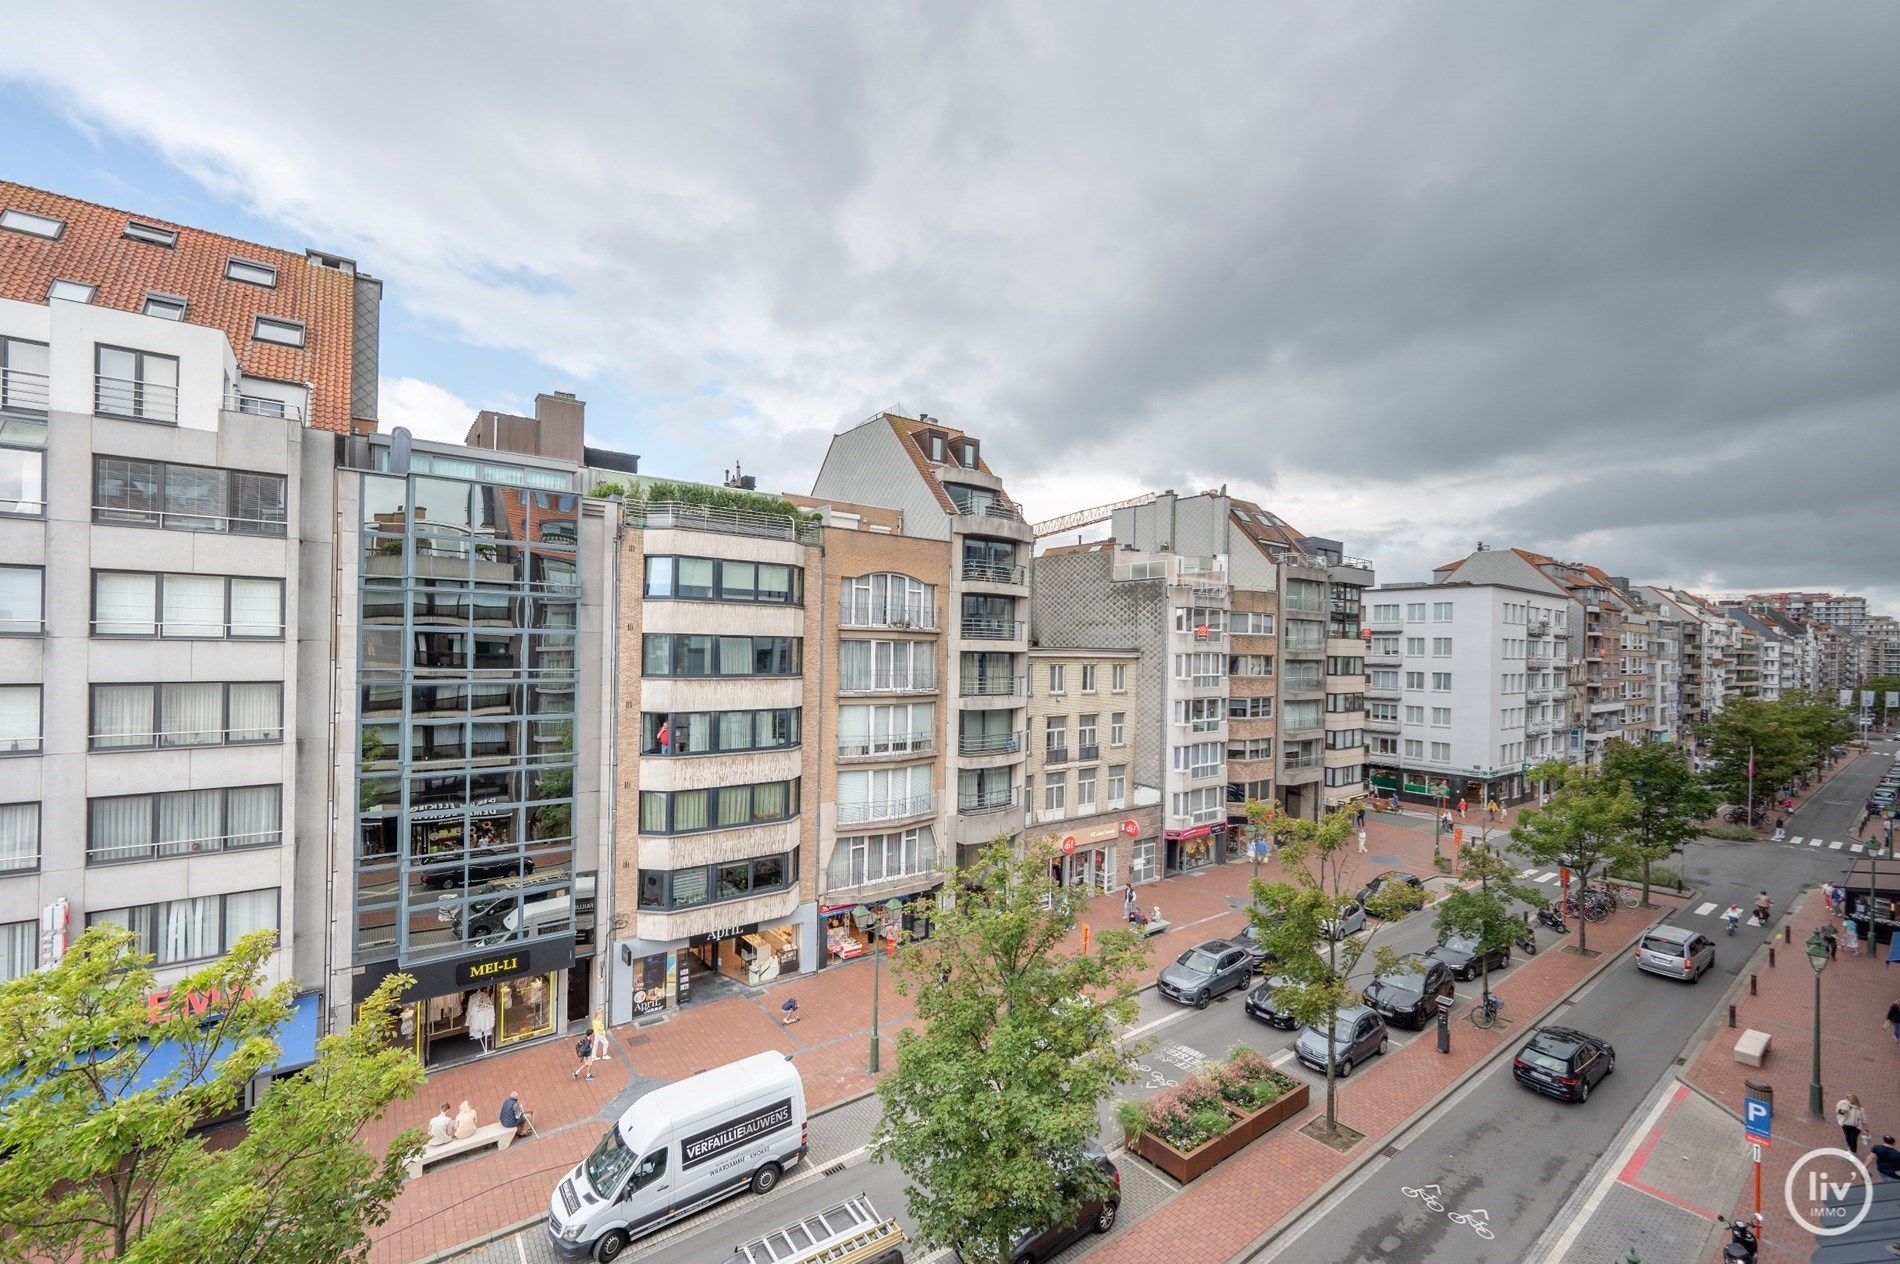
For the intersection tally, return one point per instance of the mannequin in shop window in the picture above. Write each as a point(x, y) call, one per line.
point(481, 1019)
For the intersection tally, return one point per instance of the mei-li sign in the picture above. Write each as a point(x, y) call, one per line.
point(475, 973)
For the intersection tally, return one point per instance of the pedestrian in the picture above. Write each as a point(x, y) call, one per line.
point(584, 1051)
point(442, 1127)
point(1849, 1115)
point(1886, 1159)
point(1850, 936)
point(1831, 939)
point(788, 1012)
point(665, 738)
point(1362, 842)
point(603, 1048)
point(513, 1116)
point(1461, 809)
point(1128, 900)
point(1893, 1020)
point(465, 1122)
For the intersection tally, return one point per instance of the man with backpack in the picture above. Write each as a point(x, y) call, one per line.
point(584, 1050)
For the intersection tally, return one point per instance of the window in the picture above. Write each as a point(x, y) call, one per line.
point(1056, 738)
point(37, 225)
point(1383, 646)
point(693, 655)
point(250, 273)
point(1197, 621)
point(1117, 784)
point(969, 452)
point(1199, 807)
point(138, 384)
point(1118, 678)
point(877, 730)
point(150, 234)
point(1203, 671)
point(1251, 748)
point(866, 858)
point(884, 794)
point(1300, 715)
point(1385, 613)
point(1250, 708)
point(1201, 715)
point(712, 884)
point(139, 716)
point(1415, 612)
point(1441, 752)
point(1086, 747)
point(164, 306)
point(1249, 623)
point(189, 607)
point(1415, 680)
point(288, 333)
point(1441, 612)
point(22, 481)
point(1303, 635)
point(1250, 666)
point(1118, 728)
point(1414, 715)
point(187, 930)
point(723, 807)
point(1058, 675)
point(1441, 717)
point(1414, 748)
point(23, 387)
point(1441, 682)
point(1350, 775)
point(19, 719)
point(1342, 665)
point(1198, 759)
point(1345, 739)
point(19, 837)
point(1088, 678)
point(71, 291)
point(1306, 595)
point(1415, 647)
point(712, 579)
point(187, 497)
point(19, 949)
point(1085, 789)
point(887, 600)
point(1441, 647)
point(1383, 678)
point(183, 823)
point(1055, 792)
point(935, 439)
point(1345, 703)
point(21, 601)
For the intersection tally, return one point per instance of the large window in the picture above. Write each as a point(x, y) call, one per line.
point(1300, 715)
point(1305, 595)
point(211, 713)
point(887, 601)
point(1303, 636)
point(886, 666)
point(184, 823)
point(1251, 666)
point(697, 655)
point(717, 732)
point(712, 884)
point(23, 380)
point(138, 384)
point(1250, 708)
point(1199, 715)
point(19, 837)
point(190, 930)
point(19, 949)
point(1198, 759)
point(186, 497)
point(862, 859)
point(719, 579)
point(19, 719)
point(22, 601)
point(884, 794)
point(1342, 703)
point(22, 477)
point(1201, 670)
point(1351, 775)
point(721, 807)
point(1250, 623)
point(1200, 806)
point(190, 607)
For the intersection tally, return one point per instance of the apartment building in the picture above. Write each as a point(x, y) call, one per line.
point(1082, 708)
point(1467, 692)
point(1883, 646)
point(1846, 612)
point(165, 535)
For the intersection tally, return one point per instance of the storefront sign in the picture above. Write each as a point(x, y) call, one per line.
point(438, 978)
point(722, 933)
point(492, 969)
point(1199, 831)
point(649, 984)
point(197, 1004)
point(1101, 834)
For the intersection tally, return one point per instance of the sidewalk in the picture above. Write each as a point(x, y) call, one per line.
point(470, 1199)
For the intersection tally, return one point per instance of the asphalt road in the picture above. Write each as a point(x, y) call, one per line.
point(1514, 1155)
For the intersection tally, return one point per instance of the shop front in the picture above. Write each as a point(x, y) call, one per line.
point(1196, 848)
point(851, 929)
point(1092, 855)
point(651, 977)
point(475, 1004)
point(752, 955)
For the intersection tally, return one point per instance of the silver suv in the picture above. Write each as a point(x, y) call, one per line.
point(1675, 952)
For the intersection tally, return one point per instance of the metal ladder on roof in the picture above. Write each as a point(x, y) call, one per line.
point(833, 1235)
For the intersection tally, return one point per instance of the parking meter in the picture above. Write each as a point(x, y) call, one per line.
point(1444, 1024)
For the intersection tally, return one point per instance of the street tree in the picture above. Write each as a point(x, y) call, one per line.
point(994, 1100)
point(1579, 829)
point(1780, 740)
point(106, 1076)
point(1820, 724)
point(1671, 801)
point(1485, 910)
point(1298, 919)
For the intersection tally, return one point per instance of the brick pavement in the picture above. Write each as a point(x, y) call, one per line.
point(474, 1197)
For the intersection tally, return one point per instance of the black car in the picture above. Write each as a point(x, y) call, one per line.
point(482, 867)
point(1260, 1004)
point(1563, 1062)
point(1249, 939)
point(1409, 995)
point(1380, 882)
point(1204, 972)
point(1462, 954)
point(1097, 1215)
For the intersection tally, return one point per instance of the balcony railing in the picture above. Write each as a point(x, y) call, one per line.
point(1086, 752)
point(262, 406)
point(989, 743)
point(1381, 726)
point(129, 397)
point(986, 801)
point(916, 680)
point(1302, 684)
point(679, 515)
point(1382, 691)
point(989, 509)
point(888, 744)
point(1537, 660)
point(920, 616)
point(1296, 763)
point(1055, 755)
point(992, 573)
point(988, 628)
point(993, 687)
point(23, 392)
point(886, 809)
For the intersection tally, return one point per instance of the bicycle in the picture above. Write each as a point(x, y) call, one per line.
point(1430, 1200)
point(1477, 1226)
point(1485, 1013)
point(1624, 893)
point(1593, 907)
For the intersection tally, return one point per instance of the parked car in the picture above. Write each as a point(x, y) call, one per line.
point(1350, 922)
point(1257, 955)
point(1563, 1062)
point(1205, 971)
point(1390, 876)
point(1409, 995)
point(1462, 954)
point(1097, 1215)
point(1675, 951)
point(1357, 1035)
point(1260, 1004)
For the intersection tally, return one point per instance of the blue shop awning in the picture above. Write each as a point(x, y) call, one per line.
point(297, 1039)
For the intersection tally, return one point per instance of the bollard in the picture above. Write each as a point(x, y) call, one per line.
point(1751, 985)
point(1787, 934)
point(1731, 1016)
point(1771, 956)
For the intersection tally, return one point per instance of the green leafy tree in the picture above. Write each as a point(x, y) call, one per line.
point(1485, 910)
point(99, 1162)
point(1785, 738)
point(1671, 801)
point(993, 1102)
point(1293, 918)
point(1817, 722)
point(1580, 828)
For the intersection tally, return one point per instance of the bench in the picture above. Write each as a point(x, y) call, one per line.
point(501, 1136)
point(1752, 1047)
point(1154, 926)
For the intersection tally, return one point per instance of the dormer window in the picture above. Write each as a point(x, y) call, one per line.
point(164, 306)
point(933, 444)
point(151, 234)
point(969, 454)
point(251, 273)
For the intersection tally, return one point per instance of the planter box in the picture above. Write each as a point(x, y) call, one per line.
point(1247, 1128)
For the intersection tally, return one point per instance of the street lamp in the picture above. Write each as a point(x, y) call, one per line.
point(862, 914)
point(1817, 957)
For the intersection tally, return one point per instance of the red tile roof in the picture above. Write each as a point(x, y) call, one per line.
point(910, 432)
point(94, 249)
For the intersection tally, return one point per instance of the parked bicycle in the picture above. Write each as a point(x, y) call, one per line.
point(1594, 906)
point(1485, 1012)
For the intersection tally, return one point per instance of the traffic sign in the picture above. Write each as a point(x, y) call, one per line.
point(1758, 1119)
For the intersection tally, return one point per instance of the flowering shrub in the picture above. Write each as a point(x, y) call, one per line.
point(1193, 1113)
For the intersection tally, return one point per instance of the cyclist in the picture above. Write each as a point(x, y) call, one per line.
point(1733, 916)
point(1761, 908)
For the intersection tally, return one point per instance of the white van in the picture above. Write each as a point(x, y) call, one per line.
point(681, 1148)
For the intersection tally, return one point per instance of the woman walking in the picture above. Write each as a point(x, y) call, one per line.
point(1851, 1118)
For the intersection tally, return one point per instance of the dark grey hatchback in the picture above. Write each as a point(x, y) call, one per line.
point(1204, 972)
point(1357, 1035)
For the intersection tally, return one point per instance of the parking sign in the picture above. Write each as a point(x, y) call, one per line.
point(1758, 1119)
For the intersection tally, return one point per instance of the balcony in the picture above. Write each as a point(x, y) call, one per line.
point(903, 617)
point(975, 744)
point(1055, 755)
point(916, 680)
point(1088, 753)
point(1537, 627)
point(134, 398)
point(993, 687)
point(1382, 691)
point(681, 516)
point(1299, 763)
point(1537, 660)
point(993, 573)
point(987, 628)
point(23, 392)
point(261, 406)
point(986, 801)
point(888, 744)
point(976, 508)
point(886, 809)
point(1381, 726)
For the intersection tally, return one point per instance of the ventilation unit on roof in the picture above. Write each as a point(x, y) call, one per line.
point(739, 481)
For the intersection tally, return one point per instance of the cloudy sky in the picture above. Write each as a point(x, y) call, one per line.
point(1618, 281)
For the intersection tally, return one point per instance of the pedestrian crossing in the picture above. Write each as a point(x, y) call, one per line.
point(1835, 844)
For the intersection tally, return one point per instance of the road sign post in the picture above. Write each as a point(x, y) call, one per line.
point(1758, 1124)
